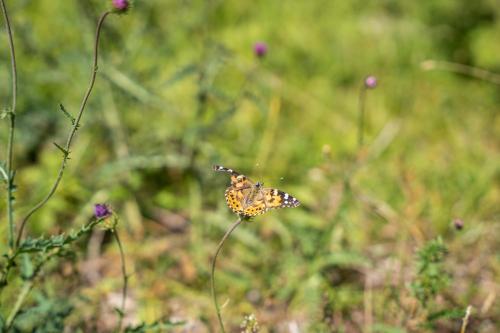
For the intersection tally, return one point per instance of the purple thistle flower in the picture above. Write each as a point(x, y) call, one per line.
point(260, 49)
point(101, 211)
point(371, 82)
point(458, 224)
point(120, 5)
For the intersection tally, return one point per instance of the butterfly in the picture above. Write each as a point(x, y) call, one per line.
point(249, 199)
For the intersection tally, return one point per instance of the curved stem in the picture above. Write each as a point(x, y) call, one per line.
point(12, 124)
point(454, 67)
point(125, 280)
point(72, 133)
point(219, 248)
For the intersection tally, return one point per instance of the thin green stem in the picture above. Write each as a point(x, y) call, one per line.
point(361, 115)
point(28, 284)
point(125, 280)
point(219, 248)
point(454, 67)
point(71, 133)
point(12, 125)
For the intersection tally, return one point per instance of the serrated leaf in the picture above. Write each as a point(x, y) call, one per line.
point(53, 242)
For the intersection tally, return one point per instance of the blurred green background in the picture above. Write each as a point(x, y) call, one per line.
point(179, 88)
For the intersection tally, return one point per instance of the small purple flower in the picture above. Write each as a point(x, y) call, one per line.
point(120, 5)
point(458, 224)
point(260, 49)
point(371, 82)
point(101, 211)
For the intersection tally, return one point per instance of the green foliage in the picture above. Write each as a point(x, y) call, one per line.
point(43, 244)
point(157, 326)
point(45, 316)
point(179, 89)
point(431, 276)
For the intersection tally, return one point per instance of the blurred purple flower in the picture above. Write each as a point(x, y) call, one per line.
point(120, 5)
point(371, 82)
point(260, 49)
point(101, 211)
point(458, 224)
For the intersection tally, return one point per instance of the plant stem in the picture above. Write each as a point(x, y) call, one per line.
point(28, 284)
point(454, 67)
point(125, 280)
point(71, 133)
point(465, 319)
point(219, 248)
point(12, 125)
point(361, 114)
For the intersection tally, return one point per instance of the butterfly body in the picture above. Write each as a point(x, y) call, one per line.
point(249, 199)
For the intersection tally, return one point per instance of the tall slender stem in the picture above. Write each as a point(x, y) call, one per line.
point(361, 115)
point(475, 72)
point(12, 125)
point(125, 280)
point(219, 248)
point(71, 133)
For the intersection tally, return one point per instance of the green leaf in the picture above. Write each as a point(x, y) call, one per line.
point(64, 151)
point(47, 315)
point(27, 269)
point(447, 314)
point(119, 312)
point(383, 328)
point(3, 172)
point(4, 113)
point(67, 114)
point(157, 326)
point(182, 73)
point(56, 241)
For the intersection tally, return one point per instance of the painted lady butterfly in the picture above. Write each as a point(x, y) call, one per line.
point(248, 199)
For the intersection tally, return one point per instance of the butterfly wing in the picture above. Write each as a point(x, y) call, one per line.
point(235, 199)
point(238, 181)
point(275, 198)
point(269, 198)
point(248, 199)
point(237, 194)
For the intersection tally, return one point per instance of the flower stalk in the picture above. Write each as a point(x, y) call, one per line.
point(12, 125)
point(214, 261)
point(72, 133)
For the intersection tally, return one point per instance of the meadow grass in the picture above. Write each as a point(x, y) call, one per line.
point(179, 89)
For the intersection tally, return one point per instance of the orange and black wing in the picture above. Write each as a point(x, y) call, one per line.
point(278, 199)
point(236, 194)
point(238, 181)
